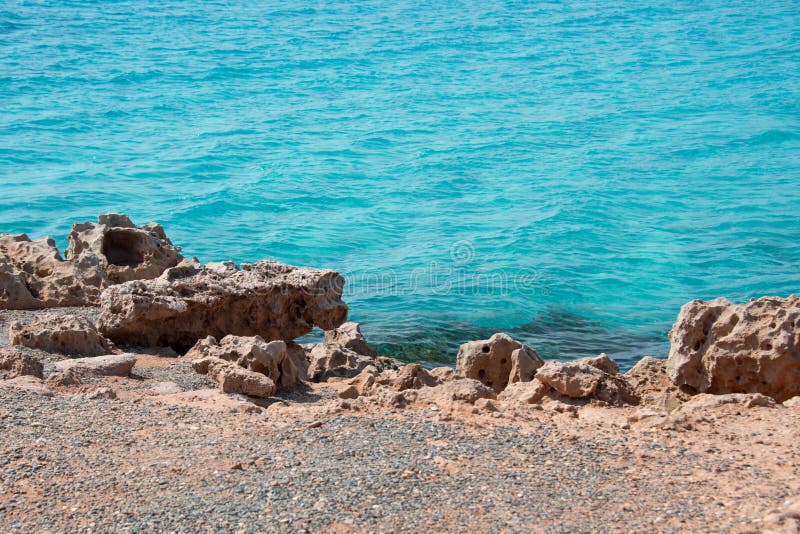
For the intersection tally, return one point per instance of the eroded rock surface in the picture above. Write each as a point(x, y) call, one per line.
point(271, 359)
point(232, 378)
point(14, 363)
point(34, 275)
point(187, 303)
point(327, 361)
point(719, 347)
point(123, 250)
point(349, 336)
point(497, 361)
point(648, 380)
point(587, 378)
point(461, 389)
point(110, 365)
point(65, 334)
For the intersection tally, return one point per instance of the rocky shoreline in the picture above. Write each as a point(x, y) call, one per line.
point(124, 354)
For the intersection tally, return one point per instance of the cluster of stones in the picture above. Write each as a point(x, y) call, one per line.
point(238, 326)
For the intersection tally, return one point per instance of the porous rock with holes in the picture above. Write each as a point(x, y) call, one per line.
point(123, 250)
point(719, 347)
point(34, 275)
point(187, 303)
point(497, 361)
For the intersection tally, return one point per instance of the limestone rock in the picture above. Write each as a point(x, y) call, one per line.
point(705, 401)
point(719, 347)
point(34, 275)
point(69, 377)
point(14, 362)
point(573, 379)
point(349, 336)
point(187, 303)
point(111, 365)
point(794, 402)
point(524, 392)
point(233, 378)
point(587, 378)
point(462, 389)
point(124, 251)
point(364, 383)
point(327, 361)
point(253, 353)
point(66, 334)
point(648, 380)
point(497, 361)
point(443, 374)
point(410, 376)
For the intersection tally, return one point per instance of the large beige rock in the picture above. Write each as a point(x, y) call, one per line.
point(110, 365)
point(124, 251)
point(254, 353)
point(65, 334)
point(187, 303)
point(349, 336)
point(497, 361)
point(587, 378)
point(648, 381)
point(327, 361)
point(34, 275)
point(232, 378)
point(461, 389)
point(531, 392)
point(14, 362)
point(410, 376)
point(719, 347)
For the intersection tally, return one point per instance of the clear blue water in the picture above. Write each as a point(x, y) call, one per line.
point(571, 173)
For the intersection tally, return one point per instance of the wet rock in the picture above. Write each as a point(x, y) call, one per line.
point(253, 353)
point(14, 362)
point(111, 365)
point(187, 303)
point(65, 334)
point(123, 250)
point(349, 336)
point(34, 275)
point(461, 389)
point(719, 347)
point(233, 378)
point(497, 361)
point(648, 380)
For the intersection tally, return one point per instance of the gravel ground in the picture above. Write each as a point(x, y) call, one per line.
point(305, 460)
point(74, 464)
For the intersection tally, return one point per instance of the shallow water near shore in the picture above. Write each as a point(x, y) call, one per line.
point(569, 174)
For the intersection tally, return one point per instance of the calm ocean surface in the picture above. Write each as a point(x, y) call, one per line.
point(570, 173)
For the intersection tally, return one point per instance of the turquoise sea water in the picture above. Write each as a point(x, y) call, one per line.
point(568, 172)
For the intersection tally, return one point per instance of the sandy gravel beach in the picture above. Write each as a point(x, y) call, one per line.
point(309, 461)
